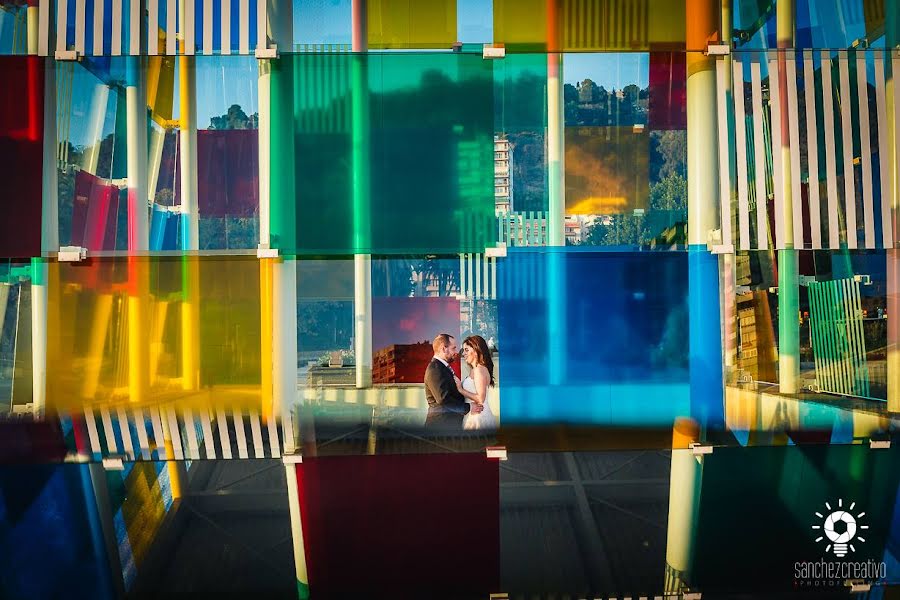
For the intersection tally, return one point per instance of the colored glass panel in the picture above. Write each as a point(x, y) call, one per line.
point(379, 167)
point(361, 513)
point(411, 23)
point(153, 330)
point(593, 338)
point(782, 490)
point(50, 533)
point(589, 25)
point(21, 144)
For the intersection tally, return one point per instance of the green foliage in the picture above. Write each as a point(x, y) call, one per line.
point(235, 118)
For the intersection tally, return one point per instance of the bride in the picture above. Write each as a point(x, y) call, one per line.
point(475, 386)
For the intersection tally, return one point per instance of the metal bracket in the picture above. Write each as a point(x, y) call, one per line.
point(292, 459)
point(697, 449)
point(67, 55)
point(498, 251)
point(71, 254)
point(489, 51)
point(718, 50)
point(114, 463)
point(263, 251)
point(267, 53)
point(496, 452)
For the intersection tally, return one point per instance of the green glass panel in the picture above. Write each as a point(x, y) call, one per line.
point(387, 154)
point(520, 98)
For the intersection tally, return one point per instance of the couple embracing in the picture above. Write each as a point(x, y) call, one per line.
point(455, 405)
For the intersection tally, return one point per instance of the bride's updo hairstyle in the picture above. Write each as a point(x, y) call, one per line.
point(483, 355)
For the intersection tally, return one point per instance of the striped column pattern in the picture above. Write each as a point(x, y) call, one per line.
point(138, 433)
point(838, 340)
point(477, 276)
point(528, 228)
point(836, 124)
point(116, 27)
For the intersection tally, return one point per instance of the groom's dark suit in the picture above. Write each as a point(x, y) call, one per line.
point(446, 406)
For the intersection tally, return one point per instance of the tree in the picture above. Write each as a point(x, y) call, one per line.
point(669, 194)
point(669, 153)
point(235, 118)
point(588, 92)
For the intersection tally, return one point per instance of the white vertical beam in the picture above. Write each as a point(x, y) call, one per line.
point(207, 27)
point(225, 35)
point(300, 570)
point(93, 434)
point(175, 432)
point(136, 111)
point(111, 445)
point(116, 32)
point(240, 433)
point(261, 25)
point(79, 25)
point(43, 27)
point(724, 150)
point(187, 30)
point(272, 426)
point(191, 433)
point(224, 438)
point(208, 439)
point(127, 445)
point(134, 28)
point(171, 27)
point(159, 438)
point(740, 152)
point(812, 155)
point(865, 147)
point(362, 308)
point(256, 432)
point(847, 151)
point(264, 88)
point(141, 426)
point(284, 341)
point(775, 92)
point(794, 136)
point(834, 242)
point(476, 258)
point(865, 150)
point(759, 155)
point(62, 16)
point(244, 27)
point(98, 27)
point(884, 154)
point(152, 27)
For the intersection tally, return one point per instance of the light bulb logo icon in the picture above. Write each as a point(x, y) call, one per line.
point(840, 527)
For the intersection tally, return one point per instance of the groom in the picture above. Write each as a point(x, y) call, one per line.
point(446, 406)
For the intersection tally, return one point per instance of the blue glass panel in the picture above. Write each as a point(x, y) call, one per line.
point(598, 338)
point(50, 535)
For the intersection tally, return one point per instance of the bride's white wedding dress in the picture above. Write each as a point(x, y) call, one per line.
point(483, 421)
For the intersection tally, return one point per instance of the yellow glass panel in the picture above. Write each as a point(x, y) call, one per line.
point(412, 23)
point(180, 331)
point(589, 25)
point(606, 170)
